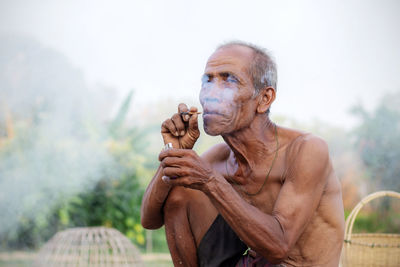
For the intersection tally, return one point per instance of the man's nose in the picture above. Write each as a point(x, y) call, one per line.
point(213, 90)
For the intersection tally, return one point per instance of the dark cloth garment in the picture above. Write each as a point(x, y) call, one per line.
point(255, 261)
point(220, 246)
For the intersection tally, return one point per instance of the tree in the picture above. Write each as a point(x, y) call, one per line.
point(377, 139)
point(62, 164)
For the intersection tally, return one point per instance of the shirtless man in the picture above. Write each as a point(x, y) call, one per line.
point(268, 192)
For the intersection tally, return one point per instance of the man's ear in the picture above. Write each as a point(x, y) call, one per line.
point(265, 99)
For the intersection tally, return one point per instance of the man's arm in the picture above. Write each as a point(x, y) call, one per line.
point(152, 216)
point(271, 235)
point(181, 132)
point(157, 190)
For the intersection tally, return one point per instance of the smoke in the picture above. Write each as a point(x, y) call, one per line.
point(53, 142)
point(216, 99)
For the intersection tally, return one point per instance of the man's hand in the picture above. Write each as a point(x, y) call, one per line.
point(185, 168)
point(181, 130)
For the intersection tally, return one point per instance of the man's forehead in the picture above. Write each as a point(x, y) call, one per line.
point(232, 54)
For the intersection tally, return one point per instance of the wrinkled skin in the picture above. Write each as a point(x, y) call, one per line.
point(226, 99)
point(296, 219)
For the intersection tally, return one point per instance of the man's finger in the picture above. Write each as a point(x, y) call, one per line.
point(166, 179)
point(179, 125)
point(182, 181)
point(169, 126)
point(174, 152)
point(182, 108)
point(193, 123)
point(175, 172)
point(174, 162)
point(193, 109)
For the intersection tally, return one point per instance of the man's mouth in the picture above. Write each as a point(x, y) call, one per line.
point(211, 115)
point(209, 112)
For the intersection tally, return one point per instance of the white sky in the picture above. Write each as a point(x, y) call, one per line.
point(330, 54)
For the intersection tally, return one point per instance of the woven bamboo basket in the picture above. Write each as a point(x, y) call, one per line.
point(88, 247)
point(370, 249)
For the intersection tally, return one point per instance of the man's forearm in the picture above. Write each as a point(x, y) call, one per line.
point(153, 201)
point(262, 232)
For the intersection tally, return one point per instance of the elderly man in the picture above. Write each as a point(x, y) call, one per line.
point(268, 196)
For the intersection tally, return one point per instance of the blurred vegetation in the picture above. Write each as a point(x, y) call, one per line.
point(381, 215)
point(365, 160)
point(64, 163)
point(377, 139)
point(112, 201)
point(376, 223)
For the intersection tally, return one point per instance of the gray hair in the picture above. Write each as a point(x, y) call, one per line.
point(262, 68)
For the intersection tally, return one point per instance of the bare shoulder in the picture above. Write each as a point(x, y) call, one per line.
point(217, 153)
point(307, 158)
point(310, 144)
point(303, 144)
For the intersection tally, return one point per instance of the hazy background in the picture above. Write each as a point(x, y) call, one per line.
point(330, 54)
point(85, 85)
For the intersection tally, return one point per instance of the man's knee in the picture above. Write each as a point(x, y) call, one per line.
point(178, 198)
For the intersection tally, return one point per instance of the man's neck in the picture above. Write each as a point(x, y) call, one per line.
point(250, 145)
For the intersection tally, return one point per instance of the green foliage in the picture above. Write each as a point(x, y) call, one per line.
point(62, 164)
point(114, 202)
point(377, 139)
point(159, 240)
point(379, 216)
point(374, 223)
point(111, 203)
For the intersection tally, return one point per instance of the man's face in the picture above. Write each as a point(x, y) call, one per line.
point(227, 91)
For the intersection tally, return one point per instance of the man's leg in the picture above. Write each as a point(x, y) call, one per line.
point(187, 216)
point(180, 239)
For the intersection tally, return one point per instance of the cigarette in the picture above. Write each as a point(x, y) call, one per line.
point(190, 113)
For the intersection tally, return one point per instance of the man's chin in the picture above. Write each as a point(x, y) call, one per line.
point(211, 133)
point(215, 124)
point(212, 130)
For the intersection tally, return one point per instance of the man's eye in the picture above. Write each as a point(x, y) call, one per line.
point(231, 79)
point(205, 79)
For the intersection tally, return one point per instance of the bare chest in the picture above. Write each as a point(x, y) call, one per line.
point(262, 196)
point(261, 187)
